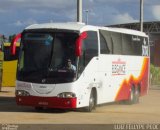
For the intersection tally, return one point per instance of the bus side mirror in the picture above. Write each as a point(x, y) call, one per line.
point(79, 43)
point(13, 44)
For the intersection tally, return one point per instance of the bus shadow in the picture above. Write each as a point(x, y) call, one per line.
point(8, 104)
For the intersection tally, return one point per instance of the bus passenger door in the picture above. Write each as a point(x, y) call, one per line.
point(88, 64)
point(105, 80)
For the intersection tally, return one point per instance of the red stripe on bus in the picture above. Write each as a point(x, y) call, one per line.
point(49, 102)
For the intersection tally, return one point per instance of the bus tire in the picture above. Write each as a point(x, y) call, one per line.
point(134, 96)
point(92, 101)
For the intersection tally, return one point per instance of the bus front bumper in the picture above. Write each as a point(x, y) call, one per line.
point(48, 102)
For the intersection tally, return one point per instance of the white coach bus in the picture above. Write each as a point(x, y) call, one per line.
point(73, 65)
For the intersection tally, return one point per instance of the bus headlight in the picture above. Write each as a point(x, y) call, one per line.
point(22, 93)
point(66, 95)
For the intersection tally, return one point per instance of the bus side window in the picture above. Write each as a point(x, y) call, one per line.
point(108, 39)
point(132, 45)
point(103, 45)
point(91, 46)
point(137, 45)
point(117, 43)
point(127, 45)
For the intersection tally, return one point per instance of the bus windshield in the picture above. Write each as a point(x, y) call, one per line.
point(47, 57)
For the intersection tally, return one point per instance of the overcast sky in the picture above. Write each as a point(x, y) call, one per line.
point(15, 15)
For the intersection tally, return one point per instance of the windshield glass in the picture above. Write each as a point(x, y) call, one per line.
point(47, 57)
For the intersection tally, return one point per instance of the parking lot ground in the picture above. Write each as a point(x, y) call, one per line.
point(145, 112)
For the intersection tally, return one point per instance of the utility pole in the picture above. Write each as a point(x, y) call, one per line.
point(141, 15)
point(79, 11)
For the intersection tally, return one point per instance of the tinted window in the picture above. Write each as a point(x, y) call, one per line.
point(37, 48)
point(103, 45)
point(90, 46)
point(128, 45)
point(47, 55)
point(107, 36)
point(124, 44)
point(117, 43)
point(137, 45)
point(132, 45)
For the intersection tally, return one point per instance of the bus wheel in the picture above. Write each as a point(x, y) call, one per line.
point(134, 96)
point(92, 102)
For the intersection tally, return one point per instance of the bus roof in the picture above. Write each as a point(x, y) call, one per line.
point(67, 26)
point(76, 26)
point(125, 31)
